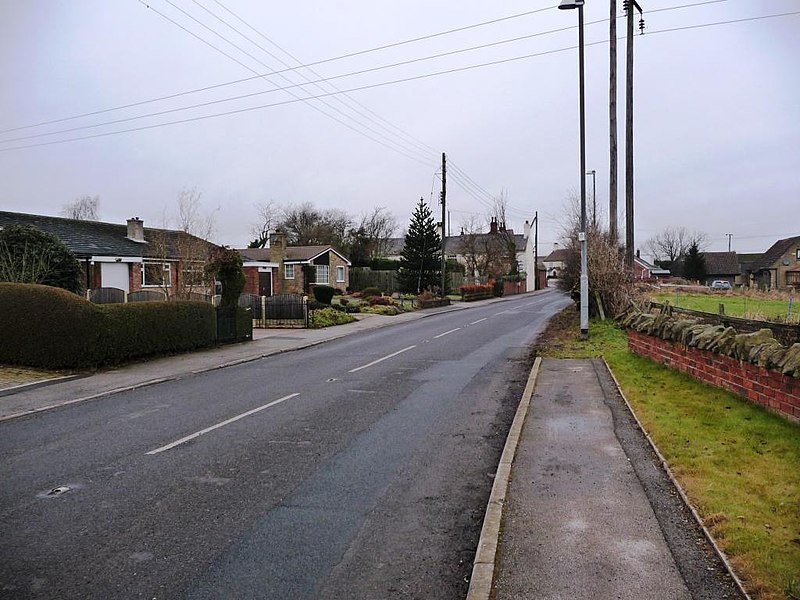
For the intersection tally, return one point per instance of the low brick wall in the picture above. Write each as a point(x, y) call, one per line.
point(770, 389)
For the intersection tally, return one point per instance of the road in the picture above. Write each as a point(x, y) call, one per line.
point(358, 468)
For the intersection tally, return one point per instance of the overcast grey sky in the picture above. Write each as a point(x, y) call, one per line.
point(717, 120)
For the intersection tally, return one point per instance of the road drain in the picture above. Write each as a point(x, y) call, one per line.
point(55, 492)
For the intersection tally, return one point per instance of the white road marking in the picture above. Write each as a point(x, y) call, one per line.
point(436, 337)
point(375, 362)
point(218, 425)
point(479, 320)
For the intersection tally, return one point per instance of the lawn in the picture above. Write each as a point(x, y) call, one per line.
point(738, 463)
point(762, 307)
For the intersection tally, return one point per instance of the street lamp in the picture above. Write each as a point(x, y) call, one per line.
point(594, 198)
point(566, 5)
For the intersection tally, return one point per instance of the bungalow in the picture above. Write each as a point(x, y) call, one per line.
point(720, 266)
point(556, 262)
point(128, 257)
point(279, 268)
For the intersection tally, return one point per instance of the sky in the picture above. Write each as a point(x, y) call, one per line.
point(716, 117)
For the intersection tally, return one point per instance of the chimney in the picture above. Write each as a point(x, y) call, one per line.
point(637, 253)
point(136, 229)
point(555, 246)
point(276, 242)
point(527, 229)
point(493, 226)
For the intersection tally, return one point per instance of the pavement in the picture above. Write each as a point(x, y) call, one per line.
point(581, 506)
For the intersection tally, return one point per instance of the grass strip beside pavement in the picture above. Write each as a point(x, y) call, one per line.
point(738, 463)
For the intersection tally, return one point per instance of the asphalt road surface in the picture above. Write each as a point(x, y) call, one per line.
point(355, 469)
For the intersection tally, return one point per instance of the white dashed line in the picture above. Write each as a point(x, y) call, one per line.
point(479, 320)
point(436, 337)
point(375, 362)
point(218, 425)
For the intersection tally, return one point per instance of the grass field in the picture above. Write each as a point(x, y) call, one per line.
point(738, 463)
point(749, 306)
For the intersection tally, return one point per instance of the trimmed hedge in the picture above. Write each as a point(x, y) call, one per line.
point(51, 328)
point(323, 293)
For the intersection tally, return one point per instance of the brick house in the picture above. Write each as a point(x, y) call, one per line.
point(283, 269)
point(128, 257)
point(645, 270)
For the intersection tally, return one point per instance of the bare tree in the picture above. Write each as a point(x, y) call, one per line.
point(185, 247)
point(674, 242)
point(83, 208)
point(505, 237)
point(268, 218)
point(377, 229)
point(306, 225)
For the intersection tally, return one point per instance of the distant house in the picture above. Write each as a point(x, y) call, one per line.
point(747, 262)
point(128, 257)
point(778, 267)
point(281, 269)
point(556, 262)
point(644, 270)
point(720, 266)
point(468, 249)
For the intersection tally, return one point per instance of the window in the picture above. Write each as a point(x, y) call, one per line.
point(288, 271)
point(339, 274)
point(323, 274)
point(793, 278)
point(193, 276)
point(156, 274)
point(798, 254)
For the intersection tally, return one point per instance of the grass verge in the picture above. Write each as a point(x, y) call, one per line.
point(738, 463)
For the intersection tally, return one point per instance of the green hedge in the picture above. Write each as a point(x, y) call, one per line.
point(46, 327)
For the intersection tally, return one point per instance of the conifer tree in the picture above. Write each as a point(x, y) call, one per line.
point(421, 259)
point(694, 266)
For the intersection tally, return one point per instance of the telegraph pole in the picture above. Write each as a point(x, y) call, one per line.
point(629, 243)
point(444, 215)
point(536, 251)
point(612, 123)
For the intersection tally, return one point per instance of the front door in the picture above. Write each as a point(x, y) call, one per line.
point(265, 284)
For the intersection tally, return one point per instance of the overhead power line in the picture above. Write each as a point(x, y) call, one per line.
point(379, 84)
point(258, 76)
point(314, 63)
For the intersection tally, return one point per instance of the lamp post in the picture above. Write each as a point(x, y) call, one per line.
point(594, 198)
point(567, 5)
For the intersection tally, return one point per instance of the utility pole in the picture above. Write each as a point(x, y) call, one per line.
point(594, 198)
point(536, 250)
point(444, 214)
point(612, 123)
point(730, 235)
point(629, 242)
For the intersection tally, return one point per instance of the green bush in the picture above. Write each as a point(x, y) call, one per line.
point(371, 291)
point(380, 309)
point(51, 328)
point(328, 317)
point(244, 324)
point(323, 293)
point(384, 264)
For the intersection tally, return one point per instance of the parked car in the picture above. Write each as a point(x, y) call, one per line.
point(721, 284)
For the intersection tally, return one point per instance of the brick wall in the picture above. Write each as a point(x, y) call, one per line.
point(250, 280)
point(770, 389)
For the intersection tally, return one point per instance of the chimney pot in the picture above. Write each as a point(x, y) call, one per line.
point(136, 229)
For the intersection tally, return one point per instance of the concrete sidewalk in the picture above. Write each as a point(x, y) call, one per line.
point(583, 517)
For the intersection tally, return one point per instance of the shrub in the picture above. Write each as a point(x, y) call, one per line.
point(380, 300)
point(323, 293)
point(225, 265)
point(344, 301)
point(497, 288)
point(328, 317)
point(478, 289)
point(371, 291)
point(28, 255)
point(54, 329)
point(383, 310)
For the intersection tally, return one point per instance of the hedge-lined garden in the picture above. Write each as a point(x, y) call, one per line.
point(47, 327)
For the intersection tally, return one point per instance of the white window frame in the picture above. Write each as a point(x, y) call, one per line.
point(340, 278)
point(167, 274)
point(288, 271)
point(326, 269)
